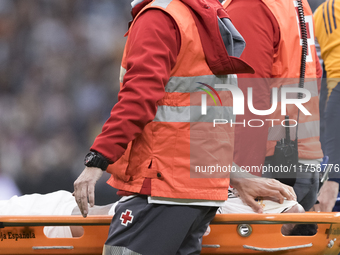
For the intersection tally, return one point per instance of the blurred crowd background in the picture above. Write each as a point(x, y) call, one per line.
point(59, 72)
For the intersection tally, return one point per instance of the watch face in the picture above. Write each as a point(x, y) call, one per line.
point(88, 158)
point(93, 159)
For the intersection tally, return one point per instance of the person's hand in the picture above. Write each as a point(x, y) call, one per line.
point(84, 188)
point(327, 197)
point(251, 188)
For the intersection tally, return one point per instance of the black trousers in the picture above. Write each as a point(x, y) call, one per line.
point(142, 228)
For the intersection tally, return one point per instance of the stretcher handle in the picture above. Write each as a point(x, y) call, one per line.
point(277, 249)
point(53, 247)
point(214, 246)
point(33, 221)
point(308, 217)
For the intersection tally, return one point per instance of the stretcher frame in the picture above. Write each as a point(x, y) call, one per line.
point(265, 235)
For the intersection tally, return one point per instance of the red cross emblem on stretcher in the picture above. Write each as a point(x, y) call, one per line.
point(126, 217)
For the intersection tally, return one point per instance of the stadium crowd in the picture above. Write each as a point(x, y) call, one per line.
point(59, 71)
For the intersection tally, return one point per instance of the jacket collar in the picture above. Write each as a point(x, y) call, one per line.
point(207, 14)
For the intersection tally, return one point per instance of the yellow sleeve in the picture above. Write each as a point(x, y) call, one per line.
point(327, 32)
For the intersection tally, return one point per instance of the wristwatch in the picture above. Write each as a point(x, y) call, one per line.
point(95, 159)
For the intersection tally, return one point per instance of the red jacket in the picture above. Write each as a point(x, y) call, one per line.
point(143, 160)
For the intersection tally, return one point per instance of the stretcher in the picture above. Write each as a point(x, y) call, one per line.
point(230, 234)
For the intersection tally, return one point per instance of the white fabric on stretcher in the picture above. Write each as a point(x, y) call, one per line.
point(56, 203)
point(234, 204)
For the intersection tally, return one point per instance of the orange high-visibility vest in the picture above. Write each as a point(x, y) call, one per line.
point(286, 71)
point(180, 138)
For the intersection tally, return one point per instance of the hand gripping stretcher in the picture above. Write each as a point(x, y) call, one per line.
point(230, 234)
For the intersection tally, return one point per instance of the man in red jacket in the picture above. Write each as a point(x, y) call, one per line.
point(171, 47)
point(272, 32)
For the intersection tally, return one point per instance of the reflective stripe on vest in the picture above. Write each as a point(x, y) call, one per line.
point(305, 130)
point(193, 114)
point(166, 113)
point(122, 74)
point(162, 3)
point(308, 126)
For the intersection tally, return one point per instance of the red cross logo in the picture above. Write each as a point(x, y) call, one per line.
point(126, 217)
